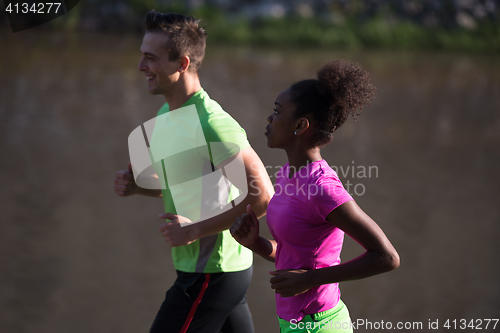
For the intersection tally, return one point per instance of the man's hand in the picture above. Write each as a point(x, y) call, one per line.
point(245, 229)
point(124, 182)
point(290, 282)
point(175, 234)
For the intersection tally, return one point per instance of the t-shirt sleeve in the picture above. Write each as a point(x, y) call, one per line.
point(326, 194)
point(224, 136)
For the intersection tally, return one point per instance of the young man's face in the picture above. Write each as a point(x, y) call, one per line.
point(160, 72)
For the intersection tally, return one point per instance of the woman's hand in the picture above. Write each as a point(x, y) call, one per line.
point(290, 282)
point(245, 229)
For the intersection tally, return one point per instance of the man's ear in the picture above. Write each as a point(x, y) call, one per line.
point(302, 125)
point(184, 63)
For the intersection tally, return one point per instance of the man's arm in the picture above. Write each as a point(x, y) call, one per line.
point(260, 191)
point(125, 184)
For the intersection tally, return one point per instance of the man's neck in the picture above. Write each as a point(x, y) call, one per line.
point(185, 88)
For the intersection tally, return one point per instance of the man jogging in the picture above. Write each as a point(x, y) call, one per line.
point(203, 143)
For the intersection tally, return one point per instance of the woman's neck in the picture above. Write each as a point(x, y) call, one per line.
point(299, 158)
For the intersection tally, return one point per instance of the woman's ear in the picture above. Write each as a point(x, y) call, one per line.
point(302, 125)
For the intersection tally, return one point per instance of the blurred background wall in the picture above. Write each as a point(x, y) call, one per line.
point(74, 257)
point(409, 24)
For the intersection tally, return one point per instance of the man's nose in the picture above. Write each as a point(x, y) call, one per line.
point(141, 66)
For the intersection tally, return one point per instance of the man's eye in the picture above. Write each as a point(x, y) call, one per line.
point(275, 110)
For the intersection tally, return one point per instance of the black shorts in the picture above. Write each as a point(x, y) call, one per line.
point(206, 303)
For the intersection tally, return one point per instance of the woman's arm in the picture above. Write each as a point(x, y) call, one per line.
point(380, 255)
point(245, 231)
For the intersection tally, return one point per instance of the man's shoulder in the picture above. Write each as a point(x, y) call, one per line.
point(212, 114)
point(208, 106)
point(217, 124)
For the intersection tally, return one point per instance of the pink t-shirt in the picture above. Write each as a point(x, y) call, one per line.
point(296, 216)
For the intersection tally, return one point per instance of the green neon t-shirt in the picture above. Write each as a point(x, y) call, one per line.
point(192, 141)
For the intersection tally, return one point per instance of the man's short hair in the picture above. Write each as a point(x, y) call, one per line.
point(185, 36)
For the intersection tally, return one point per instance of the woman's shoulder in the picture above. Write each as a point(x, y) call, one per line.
point(323, 173)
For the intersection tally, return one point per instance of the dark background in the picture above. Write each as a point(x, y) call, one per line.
point(74, 257)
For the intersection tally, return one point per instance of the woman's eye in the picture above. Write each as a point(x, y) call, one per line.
point(275, 110)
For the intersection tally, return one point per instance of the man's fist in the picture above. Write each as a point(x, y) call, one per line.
point(124, 182)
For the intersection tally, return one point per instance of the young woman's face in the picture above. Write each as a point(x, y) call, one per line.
point(282, 123)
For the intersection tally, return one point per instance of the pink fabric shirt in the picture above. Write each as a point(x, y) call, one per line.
point(296, 216)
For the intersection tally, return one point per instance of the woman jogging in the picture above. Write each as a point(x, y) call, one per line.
point(311, 210)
